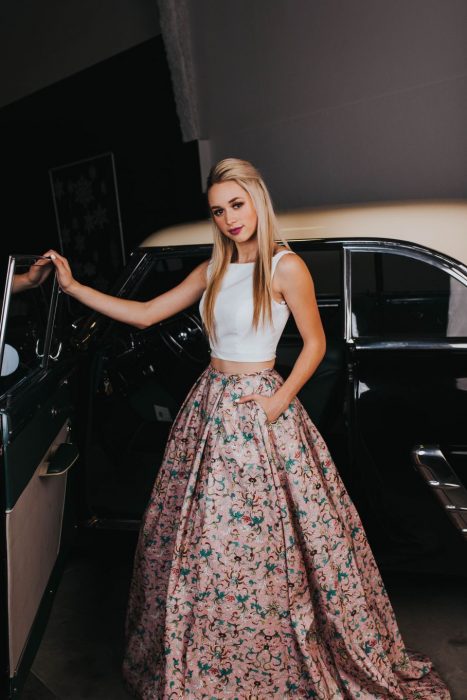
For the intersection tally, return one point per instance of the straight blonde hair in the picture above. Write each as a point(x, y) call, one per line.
point(247, 176)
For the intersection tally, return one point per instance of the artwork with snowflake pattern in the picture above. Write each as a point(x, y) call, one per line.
point(88, 219)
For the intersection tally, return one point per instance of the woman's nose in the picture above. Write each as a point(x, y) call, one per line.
point(230, 216)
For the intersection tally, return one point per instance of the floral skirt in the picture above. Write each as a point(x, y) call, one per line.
point(253, 577)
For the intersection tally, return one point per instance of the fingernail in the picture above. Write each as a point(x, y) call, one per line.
point(53, 257)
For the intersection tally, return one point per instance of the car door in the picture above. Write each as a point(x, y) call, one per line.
point(406, 333)
point(36, 457)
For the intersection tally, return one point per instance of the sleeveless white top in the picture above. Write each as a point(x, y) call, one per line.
point(233, 316)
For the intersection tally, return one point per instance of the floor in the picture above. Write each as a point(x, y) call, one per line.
point(80, 655)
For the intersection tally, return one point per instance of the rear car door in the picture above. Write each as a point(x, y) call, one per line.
point(406, 332)
point(37, 456)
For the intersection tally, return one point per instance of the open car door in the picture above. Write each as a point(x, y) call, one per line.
point(36, 460)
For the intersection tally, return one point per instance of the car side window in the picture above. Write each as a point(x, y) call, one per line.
point(326, 270)
point(165, 273)
point(396, 296)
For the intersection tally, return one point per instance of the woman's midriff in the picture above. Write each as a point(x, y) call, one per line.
point(238, 367)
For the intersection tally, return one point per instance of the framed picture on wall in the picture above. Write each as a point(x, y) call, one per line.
point(87, 210)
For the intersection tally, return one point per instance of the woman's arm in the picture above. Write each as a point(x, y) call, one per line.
point(296, 286)
point(136, 313)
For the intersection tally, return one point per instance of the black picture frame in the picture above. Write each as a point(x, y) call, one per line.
point(87, 211)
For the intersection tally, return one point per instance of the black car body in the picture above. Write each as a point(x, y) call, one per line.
point(389, 397)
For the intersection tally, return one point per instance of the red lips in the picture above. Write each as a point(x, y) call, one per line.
point(235, 230)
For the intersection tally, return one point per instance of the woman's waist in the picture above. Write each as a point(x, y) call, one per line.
point(236, 367)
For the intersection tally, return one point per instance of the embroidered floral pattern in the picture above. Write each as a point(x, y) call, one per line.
point(253, 577)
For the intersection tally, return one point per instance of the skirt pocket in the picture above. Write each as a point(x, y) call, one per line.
point(261, 412)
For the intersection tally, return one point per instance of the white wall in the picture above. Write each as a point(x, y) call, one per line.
point(337, 100)
point(43, 42)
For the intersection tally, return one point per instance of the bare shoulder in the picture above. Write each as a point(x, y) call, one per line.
point(291, 265)
point(197, 278)
point(292, 271)
point(203, 266)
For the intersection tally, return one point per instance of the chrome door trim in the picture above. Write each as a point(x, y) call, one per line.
point(414, 251)
point(51, 320)
point(347, 289)
point(369, 344)
point(6, 304)
point(441, 478)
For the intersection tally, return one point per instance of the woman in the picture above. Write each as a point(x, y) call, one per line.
point(253, 577)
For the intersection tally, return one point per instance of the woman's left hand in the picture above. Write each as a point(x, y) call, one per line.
point(269, 404)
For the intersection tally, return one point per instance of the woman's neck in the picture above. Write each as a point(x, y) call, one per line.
point(249, 256)
point(246, 254)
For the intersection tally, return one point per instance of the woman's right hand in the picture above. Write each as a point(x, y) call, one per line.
point(62, 268)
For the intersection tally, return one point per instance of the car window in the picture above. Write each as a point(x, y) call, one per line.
point(166, 272)
point(24, 324)
point(326, 270)
point(396, 296)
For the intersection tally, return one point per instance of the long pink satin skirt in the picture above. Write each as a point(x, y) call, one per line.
point(253, 577)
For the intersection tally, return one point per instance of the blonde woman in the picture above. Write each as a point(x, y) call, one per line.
point(253, 577)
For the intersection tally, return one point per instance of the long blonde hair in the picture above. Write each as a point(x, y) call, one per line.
point(247, 176)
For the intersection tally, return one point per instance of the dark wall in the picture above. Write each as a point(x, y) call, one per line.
point(44, 42)
point(125, 105)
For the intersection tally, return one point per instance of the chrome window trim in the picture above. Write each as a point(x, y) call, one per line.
point(413, 251)
point(347, 289)
point(6, 304)
point(416, 344)
point(408, 250)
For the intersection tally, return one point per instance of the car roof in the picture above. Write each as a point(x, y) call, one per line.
point(437, 224)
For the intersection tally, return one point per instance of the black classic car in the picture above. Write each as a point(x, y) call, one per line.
point(86, 406)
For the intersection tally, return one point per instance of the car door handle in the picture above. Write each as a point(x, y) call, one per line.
point(62, 459)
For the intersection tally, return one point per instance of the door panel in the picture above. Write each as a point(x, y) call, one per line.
point(33, 533)
point(30, 427)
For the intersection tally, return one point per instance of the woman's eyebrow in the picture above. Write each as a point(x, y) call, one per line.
point(231, 201)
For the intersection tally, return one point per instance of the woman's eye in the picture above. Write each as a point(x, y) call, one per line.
point(217, 212)
point(237, 205)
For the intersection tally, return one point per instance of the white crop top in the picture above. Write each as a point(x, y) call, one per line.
point(233, 315)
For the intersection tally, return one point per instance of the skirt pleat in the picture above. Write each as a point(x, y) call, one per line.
point(253, 577)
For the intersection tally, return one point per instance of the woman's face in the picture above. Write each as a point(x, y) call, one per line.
point(233, 211)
